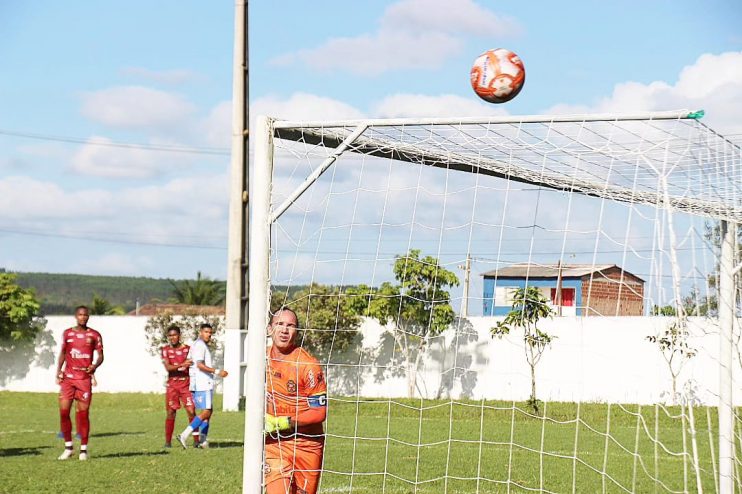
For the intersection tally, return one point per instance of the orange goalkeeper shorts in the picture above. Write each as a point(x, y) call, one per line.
point(293, 465)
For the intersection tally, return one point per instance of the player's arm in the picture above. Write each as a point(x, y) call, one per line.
point(99, 357)
point(315, 414)
point(211, 370)
point(175, 367)
point(98, 360)
point(60, 359)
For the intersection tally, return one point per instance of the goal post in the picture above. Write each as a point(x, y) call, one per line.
point(607, 216)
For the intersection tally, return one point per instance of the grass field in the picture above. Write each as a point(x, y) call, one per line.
point(389, 447)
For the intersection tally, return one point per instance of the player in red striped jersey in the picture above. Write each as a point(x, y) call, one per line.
point(177, 392)
point(75, 368)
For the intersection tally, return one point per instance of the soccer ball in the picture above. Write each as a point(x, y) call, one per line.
point(497, 75)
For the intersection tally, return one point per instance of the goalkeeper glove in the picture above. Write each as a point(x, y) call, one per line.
point(276, 424)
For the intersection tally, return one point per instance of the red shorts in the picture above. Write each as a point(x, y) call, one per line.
point(76, 389)
point(177, 392)
point(296, 461)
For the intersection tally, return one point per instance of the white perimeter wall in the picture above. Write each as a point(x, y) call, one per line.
point(591, 359)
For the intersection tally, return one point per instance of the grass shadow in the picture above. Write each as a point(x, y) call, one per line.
point(225, 444)
point(22, 451)
point(129, 454)
point(121, 433)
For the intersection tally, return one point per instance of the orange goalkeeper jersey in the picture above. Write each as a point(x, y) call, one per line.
point(294, 384)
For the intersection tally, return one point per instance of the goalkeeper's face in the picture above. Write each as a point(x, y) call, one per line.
point(283, 330)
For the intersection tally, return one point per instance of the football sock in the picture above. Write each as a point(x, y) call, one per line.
point(204, 429)
point(195, 423)
point(66, 425)
point(83, 425)
point(169, 427)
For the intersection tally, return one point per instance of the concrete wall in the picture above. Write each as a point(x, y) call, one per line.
point(128, 366)
point(592, 359)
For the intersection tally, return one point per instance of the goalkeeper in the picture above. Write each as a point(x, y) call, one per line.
point(296, 406)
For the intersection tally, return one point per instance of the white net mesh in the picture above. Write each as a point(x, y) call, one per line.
point(612, 222)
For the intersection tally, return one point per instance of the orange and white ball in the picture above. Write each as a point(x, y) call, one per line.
point(497, 75)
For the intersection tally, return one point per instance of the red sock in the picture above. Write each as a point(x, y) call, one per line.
point(169, 427)
point(66, 424)
point(82, 420)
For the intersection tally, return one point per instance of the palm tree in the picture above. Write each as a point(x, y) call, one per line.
point(201, 291)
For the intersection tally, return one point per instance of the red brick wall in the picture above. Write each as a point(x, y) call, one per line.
point(606, 294)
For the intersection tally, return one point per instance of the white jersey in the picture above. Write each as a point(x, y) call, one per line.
point(200, 380)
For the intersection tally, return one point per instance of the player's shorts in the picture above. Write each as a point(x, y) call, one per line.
point(296, 461)
point(76, 389)
point(177, 393)
point(203, 399)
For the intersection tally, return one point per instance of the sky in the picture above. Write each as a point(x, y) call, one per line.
point(115, 116)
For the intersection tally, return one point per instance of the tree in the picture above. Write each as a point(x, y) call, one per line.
point(102, 307)
point(19, 311)
point(529, 307)
point(418, 307)
point(201, 291)
point(673, 343)
point(327, 315)
point(156, 330)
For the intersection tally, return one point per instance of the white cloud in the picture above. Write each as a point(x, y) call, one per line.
point(412, 34)
point(445, 105)
point(451, 16)
point(182, 211)
point(304, 106)
point(713, 83)
point(98, 159)
point(26, 199)
point(170, 77)
point(133, 107)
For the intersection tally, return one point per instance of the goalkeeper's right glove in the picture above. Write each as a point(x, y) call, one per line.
point(276, 424)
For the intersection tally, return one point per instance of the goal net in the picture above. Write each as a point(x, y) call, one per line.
point(518, 304)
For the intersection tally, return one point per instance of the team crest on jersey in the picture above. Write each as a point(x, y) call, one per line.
point(291, 386)
point(178, 353)
point(89, 341)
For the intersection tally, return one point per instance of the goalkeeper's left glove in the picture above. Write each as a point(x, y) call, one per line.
point(276, 424)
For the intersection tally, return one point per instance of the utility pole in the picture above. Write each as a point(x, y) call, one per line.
point(467, 275)
point(237, 247)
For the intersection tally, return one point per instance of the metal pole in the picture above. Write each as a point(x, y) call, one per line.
point(235, 297)
point(465, 296)
point(728, 232)
point(260, 229)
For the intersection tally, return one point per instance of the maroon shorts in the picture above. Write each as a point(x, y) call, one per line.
point(76, 389)
point(177, 392)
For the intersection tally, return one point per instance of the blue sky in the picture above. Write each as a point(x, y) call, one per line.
point(159, 74)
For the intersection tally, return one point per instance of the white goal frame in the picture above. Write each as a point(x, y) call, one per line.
point(355, 136)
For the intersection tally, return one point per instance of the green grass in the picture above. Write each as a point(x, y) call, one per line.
point(443, 447)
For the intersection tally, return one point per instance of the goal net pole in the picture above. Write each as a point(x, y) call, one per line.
point(260, 229)
point(726, 323)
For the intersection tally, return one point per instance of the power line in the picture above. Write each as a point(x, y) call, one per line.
point(112, 241)
point(118, 144)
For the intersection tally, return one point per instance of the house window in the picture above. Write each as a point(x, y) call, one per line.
point(504, 296)
point(568, 297)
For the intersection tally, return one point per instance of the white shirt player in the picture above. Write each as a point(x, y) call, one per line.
point(200, 380)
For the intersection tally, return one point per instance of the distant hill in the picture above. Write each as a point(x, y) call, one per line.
point(61, 293)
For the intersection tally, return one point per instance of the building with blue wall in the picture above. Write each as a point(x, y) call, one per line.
point(573, 289)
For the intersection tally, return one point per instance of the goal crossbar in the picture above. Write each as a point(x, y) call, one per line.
point(617, 157)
